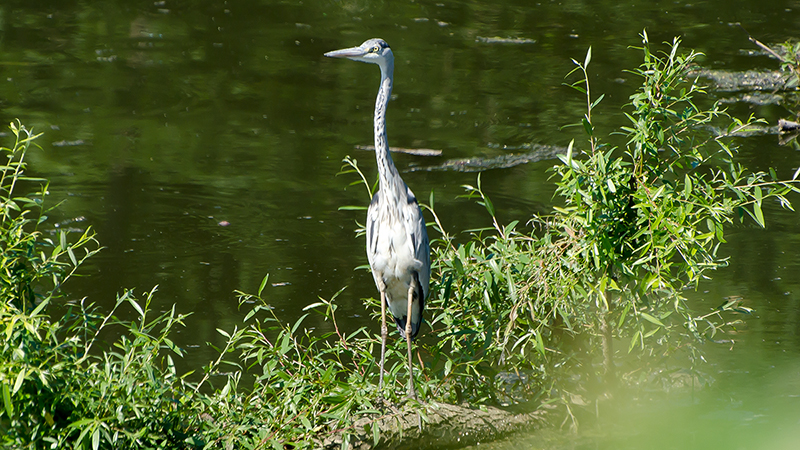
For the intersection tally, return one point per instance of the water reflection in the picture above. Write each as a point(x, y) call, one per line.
point(164, 118)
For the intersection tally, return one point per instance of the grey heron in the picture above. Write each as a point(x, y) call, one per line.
point(397, 242)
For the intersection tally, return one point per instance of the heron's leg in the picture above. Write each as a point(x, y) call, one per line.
point(384, 334)
point(411, 391)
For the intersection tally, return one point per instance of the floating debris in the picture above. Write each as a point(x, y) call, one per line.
point(64, 226)
point(788, 130)
point(752, 130)
point(480, 164)
point(70, 221)
point(410, 151)
point(499, 40)
point(69, 143)
point(750, 80)
point(786, 126)
point(755, 98)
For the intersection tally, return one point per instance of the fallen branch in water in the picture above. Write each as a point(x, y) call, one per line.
point(787, 126)
point(410, 151)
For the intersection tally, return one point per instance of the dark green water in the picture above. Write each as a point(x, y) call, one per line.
point(164, 119)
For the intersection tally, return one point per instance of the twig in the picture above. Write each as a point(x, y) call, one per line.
point(764, 47)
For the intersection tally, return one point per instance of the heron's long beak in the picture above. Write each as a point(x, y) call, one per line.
point(352, 52)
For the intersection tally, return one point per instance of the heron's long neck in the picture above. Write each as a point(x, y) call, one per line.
point(389, 177)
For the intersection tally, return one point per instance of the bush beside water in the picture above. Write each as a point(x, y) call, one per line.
point(517, 315)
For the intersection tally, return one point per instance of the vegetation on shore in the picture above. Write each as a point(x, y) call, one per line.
point(518, 312)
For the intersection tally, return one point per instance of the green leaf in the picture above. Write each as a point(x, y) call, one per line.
point(687, 188)
point(314, 305)
point(759, 214)
point(569, 153)
point(624, 314)
point(587, 126)
point(72, 256)
point(489, 206)
point(539, 344)
point(40, 307)
point(194, 441)
point(263, 285)
point(634, 339)
point(651, 319)
point(96, 438)
point(299, 321)
point(136, 307)
point(588, 58)
point(7, 402)
point(596, 102)
point(226, 389)
point(20, 379)
point(306, 423)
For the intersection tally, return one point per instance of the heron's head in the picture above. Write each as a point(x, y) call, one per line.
point(375, 51)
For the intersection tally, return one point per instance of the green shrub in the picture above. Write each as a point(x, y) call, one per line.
point(645, 222)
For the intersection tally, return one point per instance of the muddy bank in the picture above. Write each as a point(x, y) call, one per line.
point(435, 425)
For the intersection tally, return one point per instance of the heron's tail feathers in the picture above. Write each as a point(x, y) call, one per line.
point(401, 327)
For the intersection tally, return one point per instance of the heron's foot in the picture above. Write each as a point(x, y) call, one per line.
point(412, 393)
point(381, 403)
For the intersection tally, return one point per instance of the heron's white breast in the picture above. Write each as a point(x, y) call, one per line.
point(394, 255)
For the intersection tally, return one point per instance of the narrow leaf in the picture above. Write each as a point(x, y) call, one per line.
point(587, 126)
point(72, 256)
point(539, 343)
point(569, 153)
point(489, 206)
point(634, 339)
point(7, 401)
point(596, 102)
point(651, 319)
point(313, 305)
point(136, 307)
point(20, 379)
point(759, 214)
point(263, 285)
point(96, 438)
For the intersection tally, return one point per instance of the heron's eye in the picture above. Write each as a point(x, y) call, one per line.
point(375, 49)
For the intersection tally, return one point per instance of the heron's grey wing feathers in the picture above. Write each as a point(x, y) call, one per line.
point(373, 217)
point(419, 239)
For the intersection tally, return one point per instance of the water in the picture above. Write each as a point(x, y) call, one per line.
point(166, 120)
